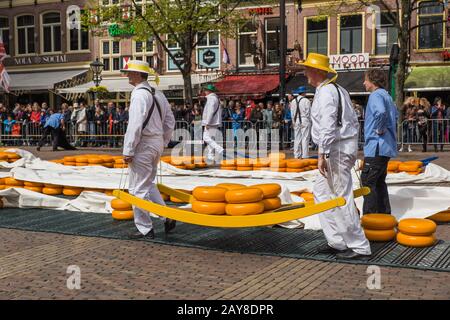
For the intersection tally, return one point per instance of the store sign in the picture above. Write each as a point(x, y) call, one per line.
point(260, 11)
point(178, 57)
point(116, 30)
point(61, 58)
point(209, 57)
point(350, 61)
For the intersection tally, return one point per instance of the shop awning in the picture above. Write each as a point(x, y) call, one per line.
point(428, 79)
point(250, 86)
point(43, 80)
point(120, 84)
point(350, 80)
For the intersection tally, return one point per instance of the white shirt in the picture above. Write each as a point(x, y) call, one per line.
point(212, 115)
point(324, 117)
point(305, 110)
point(141, 102)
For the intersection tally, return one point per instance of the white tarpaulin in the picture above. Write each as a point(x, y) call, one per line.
point(406, 201)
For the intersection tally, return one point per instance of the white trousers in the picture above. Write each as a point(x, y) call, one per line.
point(341, 225)
point(302, 133)
point(209, 137)
point(142, 173)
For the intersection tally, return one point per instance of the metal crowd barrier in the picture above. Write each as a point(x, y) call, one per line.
point(110, 134)
point(432, 132)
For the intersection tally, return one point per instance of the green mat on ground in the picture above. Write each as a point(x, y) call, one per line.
point(292, 243)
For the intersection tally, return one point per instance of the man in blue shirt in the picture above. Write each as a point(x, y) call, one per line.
point(54, 126)
point(380, 135)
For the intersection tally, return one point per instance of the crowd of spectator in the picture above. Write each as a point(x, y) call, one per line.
point(104, 124)
point(425, 123)
point(96, 125)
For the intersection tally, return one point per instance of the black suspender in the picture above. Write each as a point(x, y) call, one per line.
point(297, 113)
point(152, 107)
point(339, 113)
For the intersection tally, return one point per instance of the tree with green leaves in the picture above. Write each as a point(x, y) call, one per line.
point(399, 13)
point(184, 22)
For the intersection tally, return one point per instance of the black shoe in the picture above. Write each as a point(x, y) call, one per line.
point(38, 148)
point(137, 235)
point(351, 255)
point(326, 249)
point(169, 225)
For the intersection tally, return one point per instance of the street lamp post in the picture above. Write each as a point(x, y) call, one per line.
point(282, 50)
point(96, 68)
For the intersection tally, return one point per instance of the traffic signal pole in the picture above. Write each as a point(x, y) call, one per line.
point(283, 44)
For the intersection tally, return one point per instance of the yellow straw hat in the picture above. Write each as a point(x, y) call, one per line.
point(140, 66)
point(319, 61)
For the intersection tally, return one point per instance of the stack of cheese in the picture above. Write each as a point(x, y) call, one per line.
point(121, 210)
point(228, 165)
point(271, 192)
point(443, 216)
point(236, 199)
point(416, 232)
point(411, 167)
point(9, 157)
point(379, 226)
point(244, 201)
point(186, 163)
point(297, 165)
point(278, 162)
point(243, 164)
point(393, 166)
point(209, 200)
point(104, 160)
point(261, 164)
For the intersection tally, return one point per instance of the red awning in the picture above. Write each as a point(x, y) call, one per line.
point(250, 86)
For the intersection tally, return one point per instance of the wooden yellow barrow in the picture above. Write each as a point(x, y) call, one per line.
point(287, 213)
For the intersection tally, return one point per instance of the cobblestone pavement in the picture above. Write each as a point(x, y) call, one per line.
point(34, 265)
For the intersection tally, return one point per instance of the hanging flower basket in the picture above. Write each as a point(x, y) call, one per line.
point(100, 91)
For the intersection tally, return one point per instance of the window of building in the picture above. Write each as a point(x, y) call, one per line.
point(272, 27)
point(25, 34)
point(144, 50)
point(317, 36)
point(111, 55)
point(51, 32)
point(4, 32)
point(174, 48)
point(351, 34)
point(208, 52)
point(111, 2)
point(78, 39)
point(431, 27)
point(386, 35)
point(247, 44)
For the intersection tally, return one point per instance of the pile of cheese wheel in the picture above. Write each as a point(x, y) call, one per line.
point(416, 232)
point(276, 162)
point(442, 217)
point(186, 163)
point(46, 188)
point(9, 157)
point(236, 199)
point(411, 232)
point(379, 226)
point(410, 167)
point(122, 210)
point(104, 160)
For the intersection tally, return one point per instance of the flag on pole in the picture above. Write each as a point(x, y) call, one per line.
point(226, 56)
point(5, 80)
point(299, 9)
point(3, 54)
